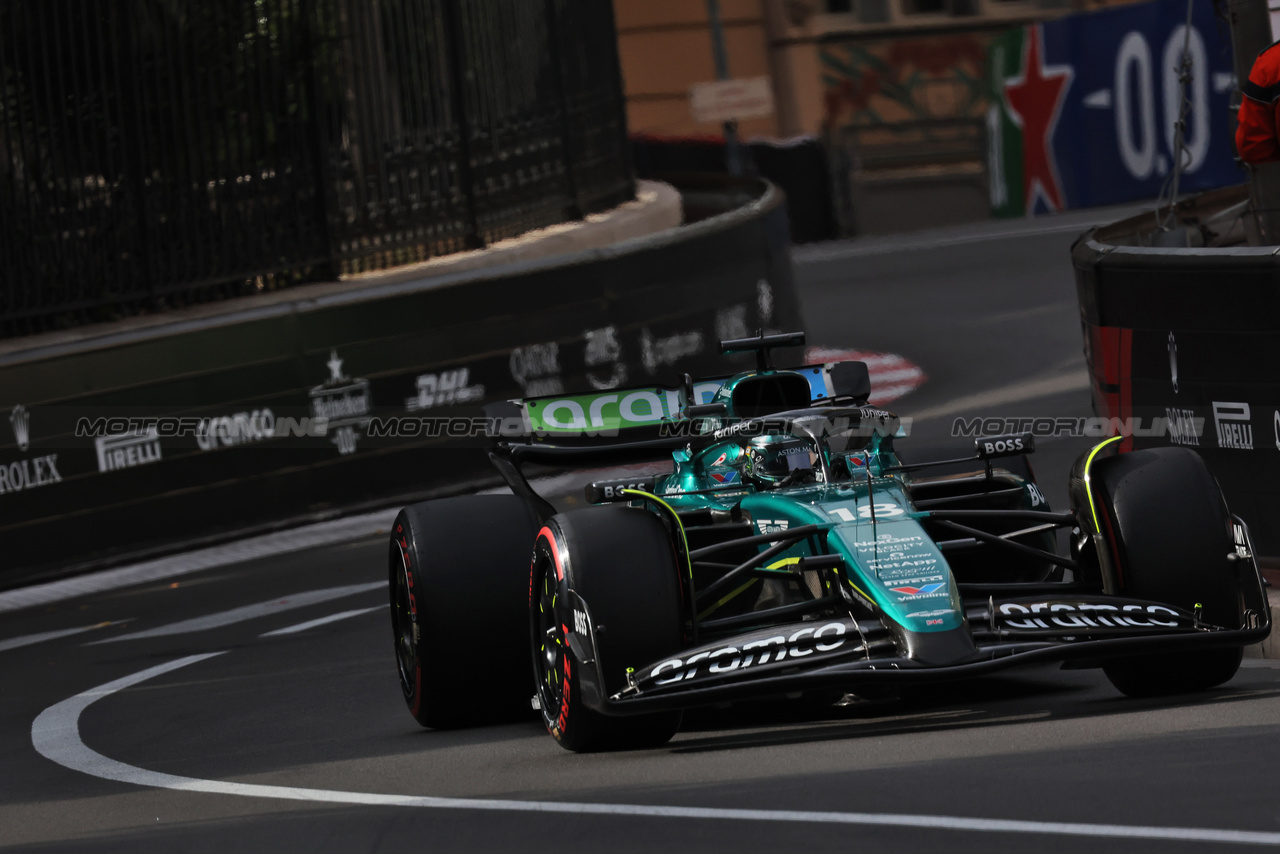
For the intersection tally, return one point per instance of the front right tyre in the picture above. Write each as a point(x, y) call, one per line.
point(1166, 525)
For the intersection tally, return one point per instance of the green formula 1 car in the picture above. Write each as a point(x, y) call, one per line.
point(791, 549)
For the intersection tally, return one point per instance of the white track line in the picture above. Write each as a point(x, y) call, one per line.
point(957, 235)
point(28, 640)
point(323, 621)
point(1022, 314)
point(254, 548)
point(1016, 393)
point(248, 612)
point(875, 246)
point(55, 733)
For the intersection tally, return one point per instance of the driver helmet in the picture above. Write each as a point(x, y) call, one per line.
point(776, 460)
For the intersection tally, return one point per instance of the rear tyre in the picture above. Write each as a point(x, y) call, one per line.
point(620, 560)
point(458, 569)
point(1166, 523)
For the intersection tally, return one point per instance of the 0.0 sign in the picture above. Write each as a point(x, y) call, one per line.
point(1136, 122)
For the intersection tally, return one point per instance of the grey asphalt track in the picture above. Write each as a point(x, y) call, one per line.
point(1040, 759)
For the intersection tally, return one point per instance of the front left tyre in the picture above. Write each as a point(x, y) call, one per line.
point(622, 563)
point(459, 574)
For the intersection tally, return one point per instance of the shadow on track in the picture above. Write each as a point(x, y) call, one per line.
point(1043, 695)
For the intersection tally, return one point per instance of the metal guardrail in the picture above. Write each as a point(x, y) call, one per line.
point(156, 155)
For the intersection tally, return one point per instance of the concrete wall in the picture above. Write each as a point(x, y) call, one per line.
point(138, 439)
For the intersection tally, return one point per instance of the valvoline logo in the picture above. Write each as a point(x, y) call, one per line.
point(923, 590)
point(859, 466)
point(859, 460)
point(724, 476)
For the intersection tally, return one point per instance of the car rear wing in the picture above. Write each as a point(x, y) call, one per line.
point(644, 413)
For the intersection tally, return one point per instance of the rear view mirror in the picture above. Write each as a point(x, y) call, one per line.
point(851, 379)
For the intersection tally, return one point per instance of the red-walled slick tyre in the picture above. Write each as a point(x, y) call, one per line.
point(459, 573)
point(620, 560)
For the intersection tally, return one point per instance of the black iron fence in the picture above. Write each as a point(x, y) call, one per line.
point(160, 153)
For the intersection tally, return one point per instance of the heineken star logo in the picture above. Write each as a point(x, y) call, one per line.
point(20, 419)
point(1035, 102)
point(335, 368)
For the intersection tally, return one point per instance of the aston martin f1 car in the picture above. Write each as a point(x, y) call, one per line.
point(791, 549)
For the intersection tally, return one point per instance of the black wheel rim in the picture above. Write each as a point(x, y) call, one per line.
point(548, 640)
point(402, 624)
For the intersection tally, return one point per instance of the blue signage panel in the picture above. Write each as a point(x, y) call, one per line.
point(1108, 97)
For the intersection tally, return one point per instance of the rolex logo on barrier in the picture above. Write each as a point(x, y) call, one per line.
point(20, 419)
point(344, 404)
point(24, 474)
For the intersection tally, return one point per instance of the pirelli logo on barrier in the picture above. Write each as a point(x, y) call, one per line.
point(124, 451)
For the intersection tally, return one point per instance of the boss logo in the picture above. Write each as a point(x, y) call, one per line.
point(617, 490)
point(1000, 446)
point(614, 490)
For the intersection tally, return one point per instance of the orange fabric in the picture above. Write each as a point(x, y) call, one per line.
point(1258, 133)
